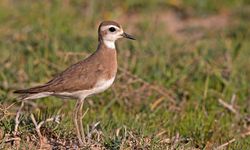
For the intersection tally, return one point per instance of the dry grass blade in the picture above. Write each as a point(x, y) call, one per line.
point(13, 139)
point(38, 125)
point(5, 111)
point(243, 135)
point(43, 140)
point(228, 106)
point(156, 103)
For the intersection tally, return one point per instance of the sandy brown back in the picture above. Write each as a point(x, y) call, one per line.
point(83, 75)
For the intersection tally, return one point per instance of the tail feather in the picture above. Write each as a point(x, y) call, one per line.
point(23, 96)
point(34, 90)
point(34, 96)
point(33, 93)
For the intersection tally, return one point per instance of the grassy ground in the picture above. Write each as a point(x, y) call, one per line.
point(188, 56)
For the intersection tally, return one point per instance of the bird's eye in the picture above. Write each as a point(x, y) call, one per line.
point(112, 29)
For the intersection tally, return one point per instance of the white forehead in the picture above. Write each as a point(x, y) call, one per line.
point(109, 26)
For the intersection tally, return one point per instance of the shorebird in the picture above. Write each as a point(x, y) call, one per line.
point(90, 76)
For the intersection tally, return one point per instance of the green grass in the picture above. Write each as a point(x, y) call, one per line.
point(40, 39)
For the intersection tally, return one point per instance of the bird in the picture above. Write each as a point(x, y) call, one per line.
point(90, 76)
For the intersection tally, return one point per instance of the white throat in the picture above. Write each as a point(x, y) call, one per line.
point(109, 44)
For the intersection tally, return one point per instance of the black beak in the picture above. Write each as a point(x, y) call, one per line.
point(128, 36)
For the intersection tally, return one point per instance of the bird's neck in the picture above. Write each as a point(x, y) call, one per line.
point(109, 44)
point(107, 57)
point(105, 44)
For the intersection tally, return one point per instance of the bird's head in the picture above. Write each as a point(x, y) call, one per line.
point(110, 31)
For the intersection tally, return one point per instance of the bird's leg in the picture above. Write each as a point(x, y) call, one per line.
point(17, 121)
point(75, 116)
point(80, 120)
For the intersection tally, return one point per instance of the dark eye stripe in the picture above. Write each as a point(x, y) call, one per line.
point(112, 29)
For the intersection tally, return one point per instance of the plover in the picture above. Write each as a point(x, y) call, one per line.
point(92, 75)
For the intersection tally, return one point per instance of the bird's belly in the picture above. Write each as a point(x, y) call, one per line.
point(100, 86)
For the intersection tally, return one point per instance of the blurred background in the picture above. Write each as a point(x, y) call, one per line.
point(184, 83)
